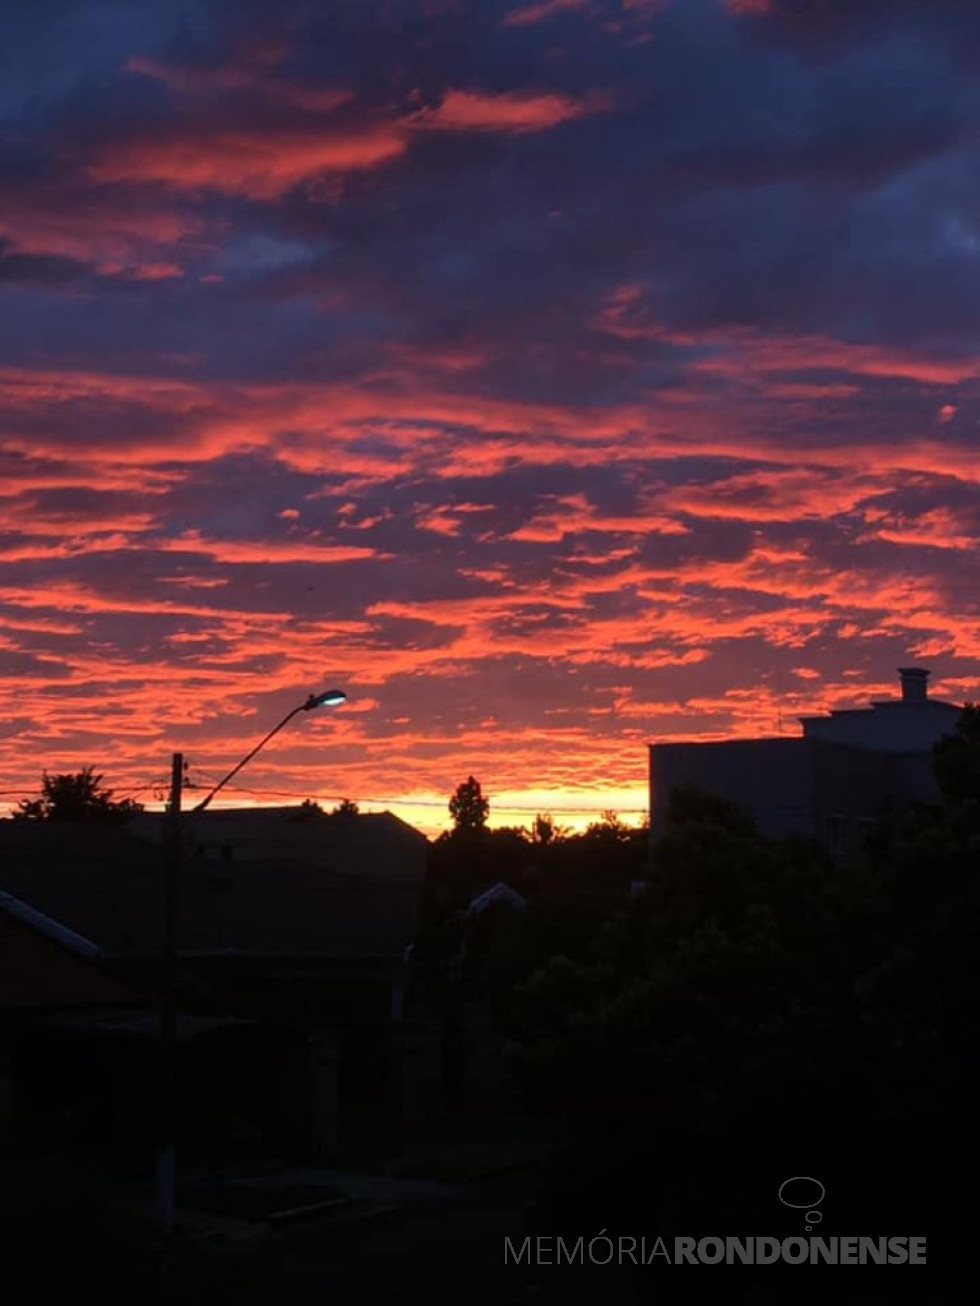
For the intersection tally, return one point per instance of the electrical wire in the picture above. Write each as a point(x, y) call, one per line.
point(435, 802)
point(164, 784)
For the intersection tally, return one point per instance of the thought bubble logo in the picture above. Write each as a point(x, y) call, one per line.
point(806, 1186)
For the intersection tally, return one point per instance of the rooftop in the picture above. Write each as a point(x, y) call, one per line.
point(108, 888)
point(371, 844)
point(38, 973)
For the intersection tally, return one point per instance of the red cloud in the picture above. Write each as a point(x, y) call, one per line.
point(596, 604)
point(748, 6)
point(527, 15)
point(507, 111)
point(266, 551)
point(265, 160)
point(248, 76)
point(117, 235)
point(740, 351)
point(259, 164)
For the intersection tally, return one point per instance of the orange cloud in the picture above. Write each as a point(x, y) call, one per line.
point(267, 551)
point(573, 514)
point(939, 528)
point(778, 494)
point(535, 592)
point(201, 421)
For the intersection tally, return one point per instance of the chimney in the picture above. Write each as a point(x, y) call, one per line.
point(914, 684)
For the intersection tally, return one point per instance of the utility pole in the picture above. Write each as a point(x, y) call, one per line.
point(165, 1175)
point(166, 1079)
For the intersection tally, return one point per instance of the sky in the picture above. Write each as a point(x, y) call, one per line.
point(554, 376)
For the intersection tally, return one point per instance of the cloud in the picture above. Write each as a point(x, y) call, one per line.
point(509, 111)
point(252, 75)
point(525, 15)
point(37, 269)
point(749, 6)
point(260, 165)
point(78, 229)
point(266, 160)
point(553, 376)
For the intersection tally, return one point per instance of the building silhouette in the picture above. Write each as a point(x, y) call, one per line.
point(831, 783)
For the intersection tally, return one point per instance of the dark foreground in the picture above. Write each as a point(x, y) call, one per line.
point(395, 1243)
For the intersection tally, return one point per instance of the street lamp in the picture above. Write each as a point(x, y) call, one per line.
point(166, 1166)
point(329, 698)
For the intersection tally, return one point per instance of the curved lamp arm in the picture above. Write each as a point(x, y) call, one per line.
point(331, 698)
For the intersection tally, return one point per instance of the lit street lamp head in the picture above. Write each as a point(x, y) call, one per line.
point(329, 698)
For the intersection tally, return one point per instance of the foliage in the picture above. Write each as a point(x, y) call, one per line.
point(345, 809)
point(308, 810)
point(77, 797)
point(757, 1013)
point(545, 830)
point(956, 759)
point(468, 807)
point(610, 828)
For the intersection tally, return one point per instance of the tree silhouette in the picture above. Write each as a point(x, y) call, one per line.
point(308, 810)
point(956, 758)
point(609, 830)
point(74, 797)
point(546, 830)
point(468, 807)
point(750, 980)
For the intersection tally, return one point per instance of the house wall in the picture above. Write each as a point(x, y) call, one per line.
point(887, 726)
point(911, 777)
point(350, 1089)
point(768, 777)
point(849, 791)
point(817, 786)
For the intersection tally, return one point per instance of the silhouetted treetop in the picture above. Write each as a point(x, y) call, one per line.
point(956, 758)
point(468, 807)
point(546, 830)
point(690, 804)
point(76, 797)
point(344, 810)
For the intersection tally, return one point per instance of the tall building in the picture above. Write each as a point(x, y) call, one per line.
point(833, 781)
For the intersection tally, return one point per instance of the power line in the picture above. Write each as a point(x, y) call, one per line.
point(131, 791)
point(436, 802)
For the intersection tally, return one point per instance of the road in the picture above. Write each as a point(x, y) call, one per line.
point(442, 1252)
